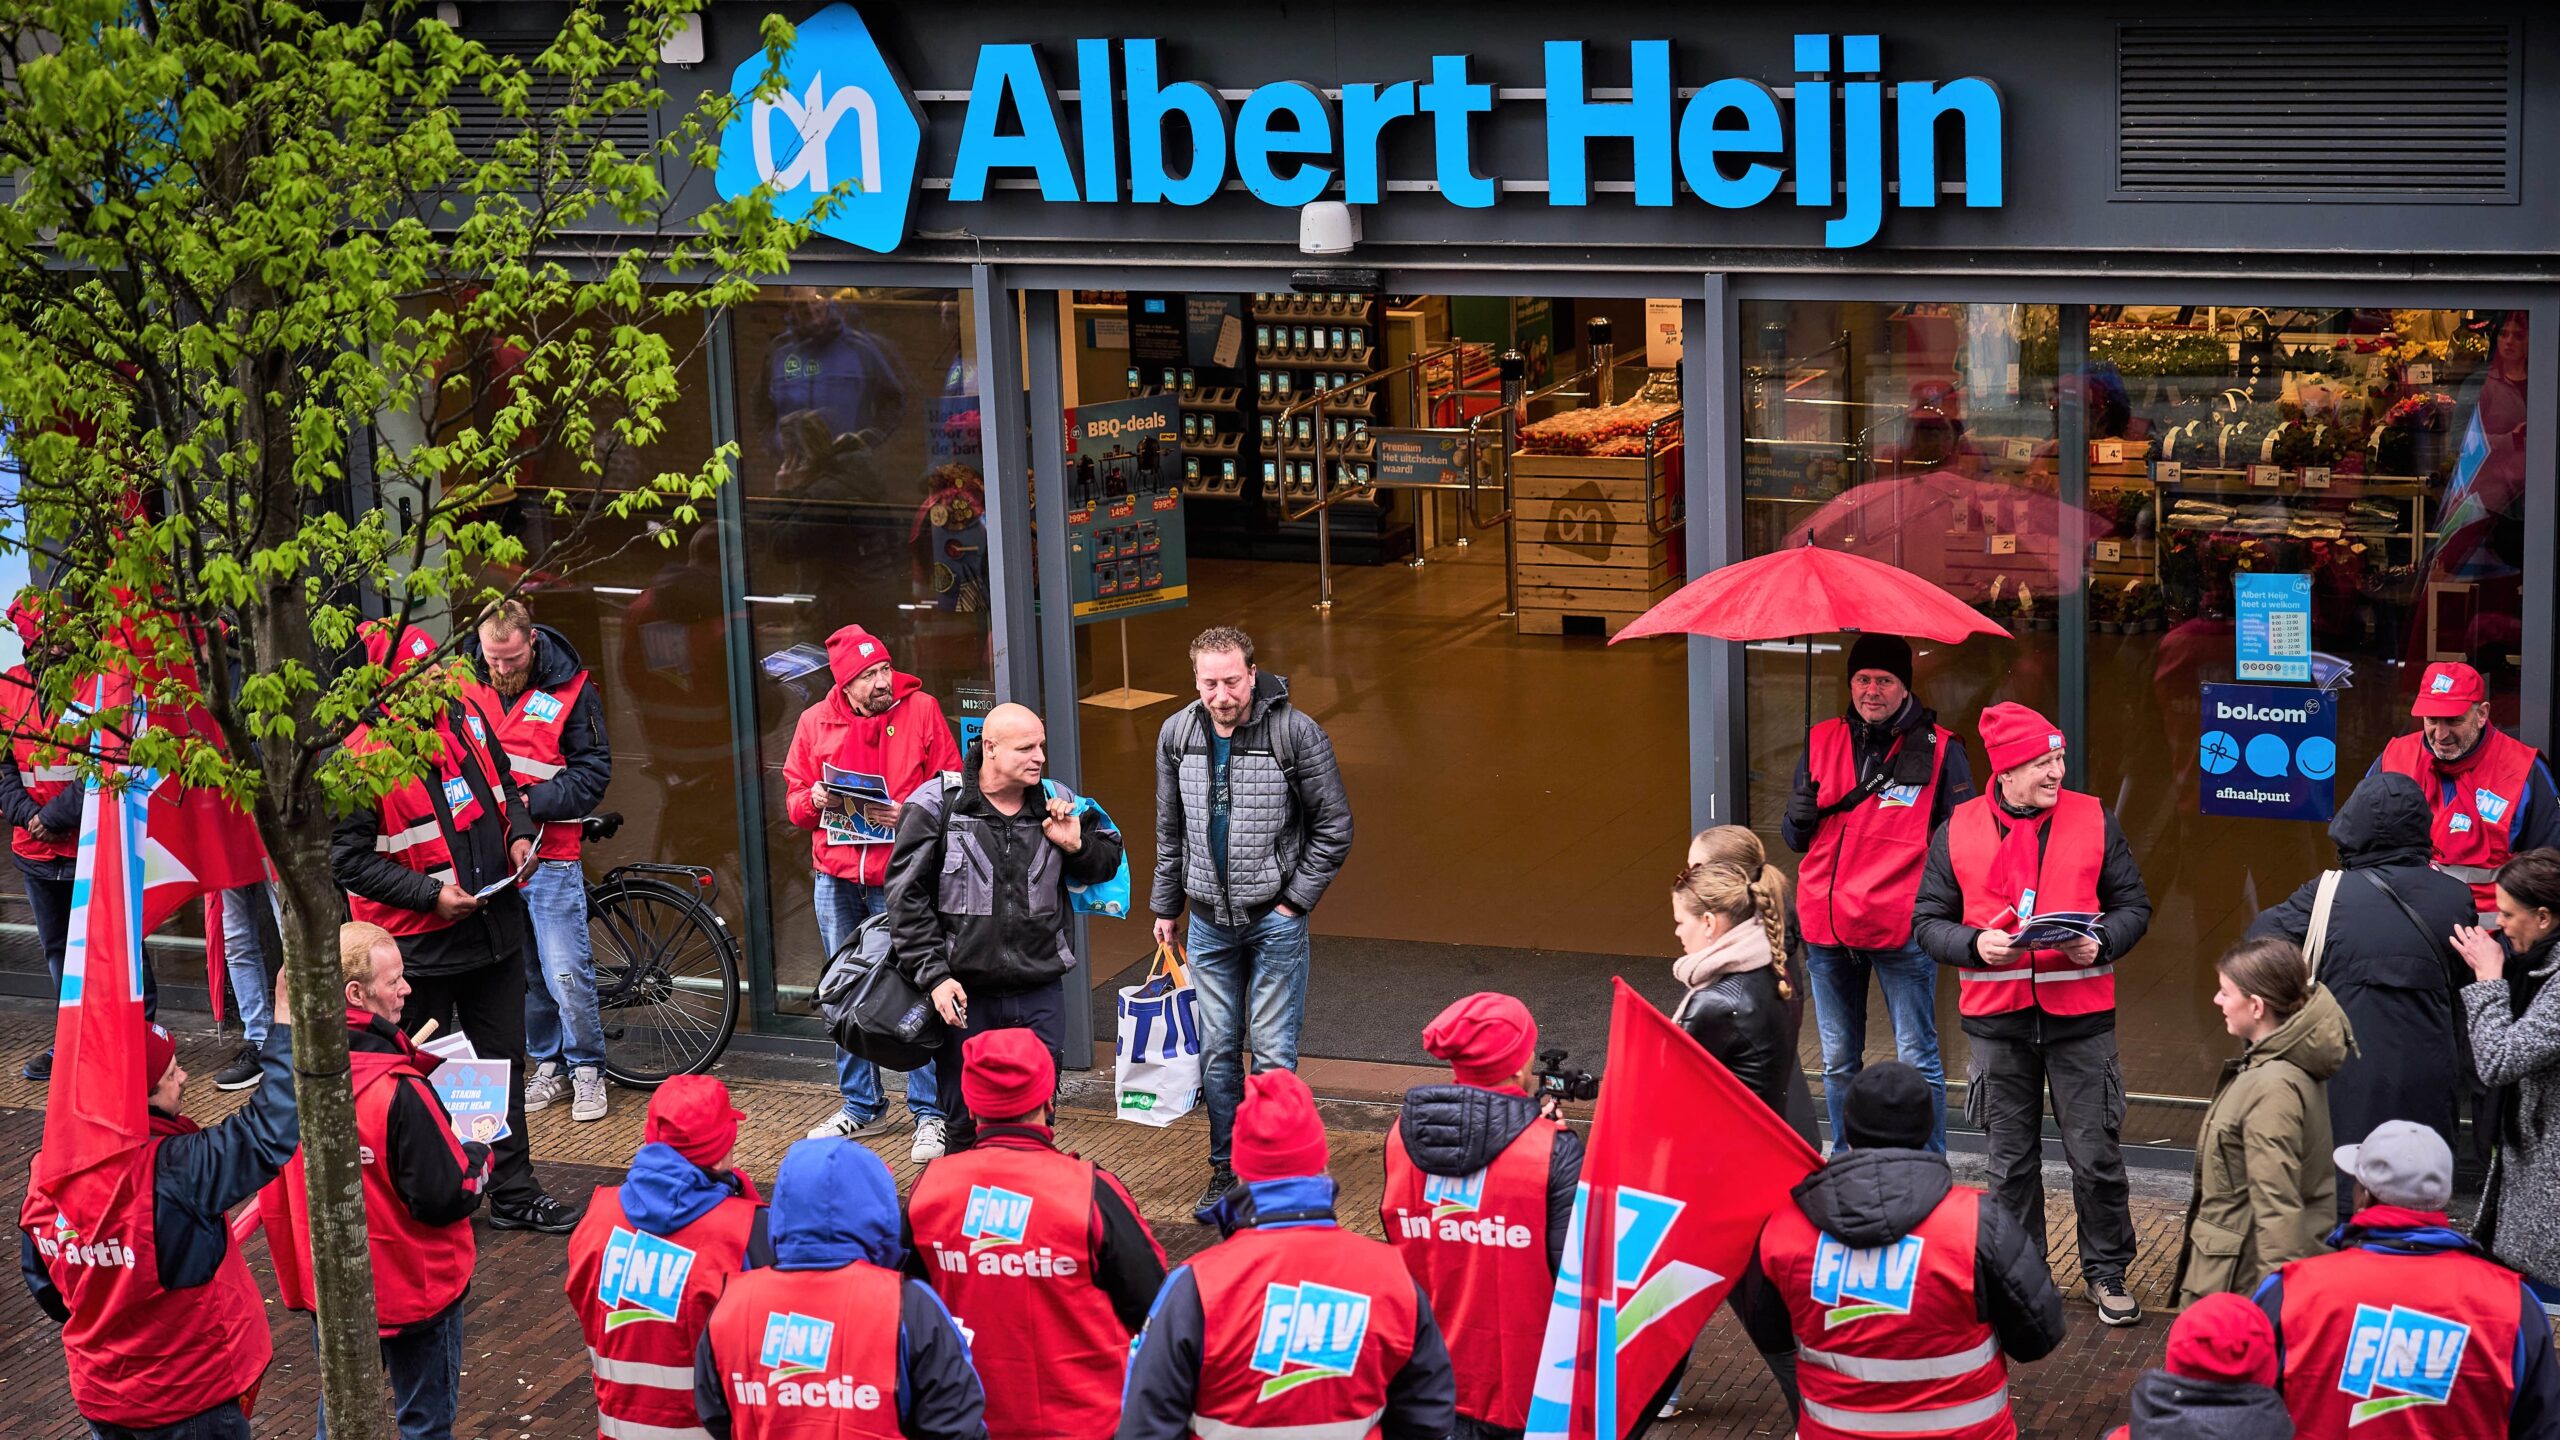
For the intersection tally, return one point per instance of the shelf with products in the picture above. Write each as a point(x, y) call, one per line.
point(1364, 402)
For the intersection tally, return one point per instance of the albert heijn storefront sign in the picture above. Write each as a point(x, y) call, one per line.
point(1824, 141)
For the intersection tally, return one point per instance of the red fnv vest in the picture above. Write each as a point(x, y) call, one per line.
point(643, 1300)
point(1862, 872)
point(42, 776)
point(529, 733)
point(2472, 835)
point(1478, 1248)
point(2397, 1347)
point(1301, 1328)
point(2075, 849)
point(1006, 1237)
point(141, 1356)
point(1888, 1341)
point(408, 831)
point(417, 1270)
point(809, 1354)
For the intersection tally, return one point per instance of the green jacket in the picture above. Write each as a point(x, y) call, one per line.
point(2266, 1185)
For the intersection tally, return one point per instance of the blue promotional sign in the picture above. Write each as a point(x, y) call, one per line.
point(2273, 614)
point(2268, 753)
point(841, 117)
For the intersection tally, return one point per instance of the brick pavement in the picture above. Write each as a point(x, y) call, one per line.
point(524, 1366)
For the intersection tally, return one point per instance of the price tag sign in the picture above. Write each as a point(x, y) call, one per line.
point(2018, 448)
point(2315, 477)
point(2107, 452)
point(2003, 544)
point(2266, 476)
point(2167, 472)
point(2422, 373)
point(2110, 550)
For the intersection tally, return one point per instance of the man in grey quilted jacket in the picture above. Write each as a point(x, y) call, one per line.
point(1252, 824)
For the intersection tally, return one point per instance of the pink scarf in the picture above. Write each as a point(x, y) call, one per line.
point(1744, 947)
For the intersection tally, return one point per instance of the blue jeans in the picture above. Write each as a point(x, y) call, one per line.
point(1910, 980)
point(842, 906)
point(424, 1365)
point(1252, 987)
point(245, 958)
point(560, 1019)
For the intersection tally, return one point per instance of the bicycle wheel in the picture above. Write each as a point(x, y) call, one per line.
point(666, 980)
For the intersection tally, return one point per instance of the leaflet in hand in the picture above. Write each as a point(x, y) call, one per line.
point(456, 1046)
point(475, 1093)
point(848, 792)
point(2051, 932)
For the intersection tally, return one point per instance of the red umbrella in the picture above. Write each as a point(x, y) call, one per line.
point(1807, 590)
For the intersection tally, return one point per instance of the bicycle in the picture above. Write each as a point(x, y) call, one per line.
point(666, 968)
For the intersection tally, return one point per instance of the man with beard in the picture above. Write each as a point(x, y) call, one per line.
point(2490, 794)
point(551, 728)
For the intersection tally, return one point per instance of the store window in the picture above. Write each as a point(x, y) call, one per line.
point(865, 505)
point(2321, 502)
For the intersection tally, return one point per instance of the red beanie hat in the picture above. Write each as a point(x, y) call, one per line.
point(691, 1115)
point(852, 650)
point(2014, 735)
point(159, 1051)
point(1486, 1038)
point(1006, 1074)
point(415, 645)
point(1278, 1133)
point(2223, 1337)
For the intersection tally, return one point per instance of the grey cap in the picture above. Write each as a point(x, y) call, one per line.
point(2402, 1163)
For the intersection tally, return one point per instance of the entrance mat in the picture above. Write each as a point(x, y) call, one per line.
point(1369, 999)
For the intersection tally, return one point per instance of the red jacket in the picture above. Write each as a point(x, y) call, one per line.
point(905, 747)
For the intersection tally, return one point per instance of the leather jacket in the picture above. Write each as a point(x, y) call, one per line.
point(1742, 1022)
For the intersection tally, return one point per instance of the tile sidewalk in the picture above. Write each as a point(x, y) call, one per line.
point(524, 1365)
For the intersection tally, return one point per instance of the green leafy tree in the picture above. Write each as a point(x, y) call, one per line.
point(253, 253)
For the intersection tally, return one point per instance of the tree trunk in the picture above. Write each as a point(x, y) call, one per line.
point(351, 1384)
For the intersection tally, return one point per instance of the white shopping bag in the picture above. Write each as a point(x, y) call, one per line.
point(1157, 1065)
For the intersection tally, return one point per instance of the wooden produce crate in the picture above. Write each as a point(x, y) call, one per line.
point(1585, 554)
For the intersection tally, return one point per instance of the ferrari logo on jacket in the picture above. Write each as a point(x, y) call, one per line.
point(1857, 1284)
point(1309, 1332)
point(2400, 1357)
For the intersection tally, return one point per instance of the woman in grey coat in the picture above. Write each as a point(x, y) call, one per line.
point(2515, 1040)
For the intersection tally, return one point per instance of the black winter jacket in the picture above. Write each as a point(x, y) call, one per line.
point(2172, 1407)
point(2396, 978)
point(501, 929)
point(1867, 1198)
point(1459, 1129)
point(586, 757)
point(1937, 923)
point(1740, 1020)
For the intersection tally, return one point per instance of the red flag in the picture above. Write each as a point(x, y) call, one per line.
point(1662, 1224)
point(200, 844)
point(98, 1108)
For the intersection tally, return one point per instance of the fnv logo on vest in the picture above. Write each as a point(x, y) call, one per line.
point(1898, 797)
point(2491, 805)
point(2398, 1358)
point(1857, 1284)
point(1453, 1194)
point(544, 706)
point(642, 1278)
point(457, 791)
point(797, 1345)
point(1310, 1332)
point(994, 1217)
point(841, 117)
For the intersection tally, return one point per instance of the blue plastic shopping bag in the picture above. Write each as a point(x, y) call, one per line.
point(1111, 897)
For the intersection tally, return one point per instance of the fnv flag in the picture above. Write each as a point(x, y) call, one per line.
point(1662, 1225)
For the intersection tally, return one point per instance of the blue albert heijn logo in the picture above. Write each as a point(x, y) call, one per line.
point(1859, 1283)
point(2491, 805)
point(2399, 1358)
point(1453, 1194)
point(841, 118)
point(643, 1278)
point(543, 707)
point(797, 1344)
point(995, 1217)
point(1309, 1332)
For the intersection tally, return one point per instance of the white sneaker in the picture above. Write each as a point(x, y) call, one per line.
point(841, 1126)
point(587, 1085)
point(546, 1087)
point(1670, 1407)
point(932, 1132)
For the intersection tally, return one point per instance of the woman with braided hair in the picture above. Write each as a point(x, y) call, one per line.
point(1731, 923)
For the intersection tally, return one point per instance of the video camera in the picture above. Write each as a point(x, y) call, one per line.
point(1559, 1084)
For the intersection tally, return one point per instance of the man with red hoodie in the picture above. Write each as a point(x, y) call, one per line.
point(876, 721)
point(421, 1184)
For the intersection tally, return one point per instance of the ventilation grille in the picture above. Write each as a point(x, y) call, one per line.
point(2413, 111)
point(479, 126)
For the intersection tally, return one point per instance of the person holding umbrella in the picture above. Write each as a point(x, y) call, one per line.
point(1873, 786)
point(2042, 1016)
